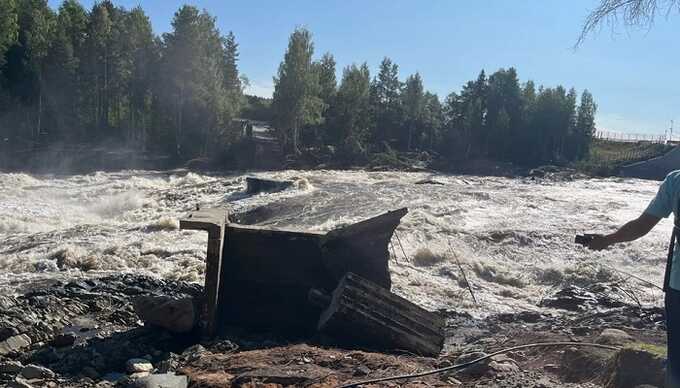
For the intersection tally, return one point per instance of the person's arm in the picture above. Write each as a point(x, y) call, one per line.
point(632, 230)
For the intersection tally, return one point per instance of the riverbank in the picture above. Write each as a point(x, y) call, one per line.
point(83, 333)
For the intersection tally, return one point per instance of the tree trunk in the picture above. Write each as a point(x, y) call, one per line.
point(40, 93)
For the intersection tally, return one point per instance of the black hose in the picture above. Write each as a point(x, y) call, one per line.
point(466, 364)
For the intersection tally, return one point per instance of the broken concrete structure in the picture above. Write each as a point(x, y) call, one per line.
point(261, 278)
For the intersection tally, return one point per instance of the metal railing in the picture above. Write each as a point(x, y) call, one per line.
point(636, 137)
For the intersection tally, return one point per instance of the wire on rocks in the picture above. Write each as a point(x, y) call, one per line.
point(401, 246)
point(466, 364)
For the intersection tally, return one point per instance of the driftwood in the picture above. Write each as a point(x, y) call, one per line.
point(363, 313)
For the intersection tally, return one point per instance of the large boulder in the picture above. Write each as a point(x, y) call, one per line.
point(581, 364)
point(614, 337)
point(638, 364)
point(175, 315)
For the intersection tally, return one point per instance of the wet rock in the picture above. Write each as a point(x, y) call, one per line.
point(574, 298)
point(503, 363)
point(176, 315)
point(113, 377)
point(90, 372)
point(63, 340)
point(259, 185)
point(7, 332)
point(638, 364)
point(476, 369)
point(614, 337)
point(580, 364)
point(166, 380)
point(11, 367)
point(36, 372)
point(429, 182)
point(14, 344)
point(19, 383)
point(193, 352)
point(138, 365)
point(361, 371)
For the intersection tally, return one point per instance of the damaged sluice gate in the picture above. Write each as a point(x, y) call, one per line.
point(301, 282)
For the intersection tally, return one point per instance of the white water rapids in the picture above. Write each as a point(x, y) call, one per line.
point(513, 237)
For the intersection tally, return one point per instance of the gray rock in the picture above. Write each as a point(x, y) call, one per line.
point(11, 367)
point(90, 372)
point(63, 340)
point(113, 377)
point(479, 368)
point(7, 332)
point(33, 371)
point(503, 363)
point(614, 337)
point(19, 383)
point(161, 381)
point(14, 344)
point(638, 365)
point(175, 315)
point(138, 365)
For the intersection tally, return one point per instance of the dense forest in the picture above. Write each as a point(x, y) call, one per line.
point(101, 76)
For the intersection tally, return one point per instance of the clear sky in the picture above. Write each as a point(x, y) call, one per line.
point(633, 74)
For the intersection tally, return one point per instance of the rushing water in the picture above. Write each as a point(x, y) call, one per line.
point(512, 237)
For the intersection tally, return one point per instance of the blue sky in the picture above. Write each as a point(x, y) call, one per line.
point(632, 73)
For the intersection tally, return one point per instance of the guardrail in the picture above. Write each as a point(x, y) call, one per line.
point(635, 137)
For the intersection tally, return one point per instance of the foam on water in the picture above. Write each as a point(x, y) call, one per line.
point(513, 238)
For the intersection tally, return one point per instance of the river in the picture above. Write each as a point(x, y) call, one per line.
point(512, 236)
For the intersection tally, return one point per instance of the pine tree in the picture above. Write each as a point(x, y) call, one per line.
point(9, 27)
point(413, 98)
point(296, 100)
point(585, 124)
point(386, 101)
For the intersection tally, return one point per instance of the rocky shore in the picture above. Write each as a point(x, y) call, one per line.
point(85, 333)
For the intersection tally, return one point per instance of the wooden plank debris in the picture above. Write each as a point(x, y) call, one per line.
point(363, 313)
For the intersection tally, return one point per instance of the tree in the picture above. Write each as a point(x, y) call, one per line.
point(36, 21)
point(350, 123)
point(414, 104)
point(386, 101)
point(9, 27)
point(296, 100)
point(632, 12)
point(193, 86)
point(585, 124)
point(433, 119)
point(327, 83)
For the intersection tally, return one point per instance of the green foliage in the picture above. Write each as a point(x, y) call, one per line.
point(296, 100)
point(74, 76)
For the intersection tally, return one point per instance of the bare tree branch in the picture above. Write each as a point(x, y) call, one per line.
point(631, 13)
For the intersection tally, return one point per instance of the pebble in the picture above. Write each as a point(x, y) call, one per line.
point(137, 365)
point(14, 344)
point(36, 372)
point(11, 367)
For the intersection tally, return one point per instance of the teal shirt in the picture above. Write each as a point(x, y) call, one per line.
point(665, 203)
